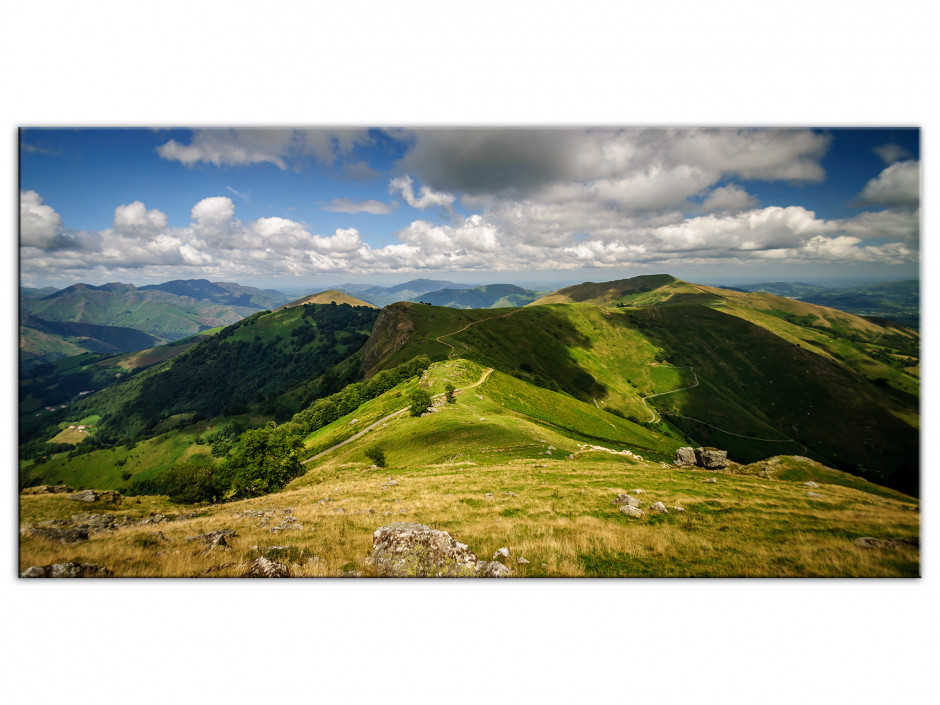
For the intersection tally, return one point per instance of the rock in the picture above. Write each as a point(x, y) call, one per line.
point(636, 491)
point(522, 561)
point(67, 570)
point(98, 496)
point(262, 567)
point(811, 484)
point(48, 489)
point(390, 483)
point(405, 549)
point(869, 542)
point(98, 522)
point(710, 479)
point(492, 569)
point(632, 511)
point(659, 508)
point(153, 519)
point(512, 494)
point(677, 509)
point(625, 499)
point(487, 495)
point(710, 458)
point(814, 495)
point(60, 535)
point(213, 538)
point(685, 456)
point(501, 553)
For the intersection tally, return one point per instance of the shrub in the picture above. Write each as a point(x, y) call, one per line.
point(420, 401)
point(449, 393)
point(376, 455)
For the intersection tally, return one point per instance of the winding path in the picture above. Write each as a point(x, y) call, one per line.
point(391, 416)
point(472, 323)
point(656, 418)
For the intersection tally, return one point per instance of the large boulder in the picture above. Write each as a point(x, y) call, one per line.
point(98, 496)
point(404, 549)
point(262, 567)
point(66, 570)
point(60, 535)
point(624, 499)
point(685, 456)
point(711, 458)
point(48, 489)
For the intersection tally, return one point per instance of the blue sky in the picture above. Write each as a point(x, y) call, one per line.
point(296, 208)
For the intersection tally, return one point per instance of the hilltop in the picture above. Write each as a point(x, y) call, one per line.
point(489, 296)
point(330, 296)
point(559, 407)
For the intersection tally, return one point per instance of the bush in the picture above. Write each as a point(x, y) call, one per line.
point(449, 393)
point(420, 401)
point(376, 455)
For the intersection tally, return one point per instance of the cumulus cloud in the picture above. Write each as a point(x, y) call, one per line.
point(347, 205)
point(404, 185)
point(891, 153)
point(897, 185)
point(135, 219)
point(40, 225)
point(729, 198)
point(281, 147)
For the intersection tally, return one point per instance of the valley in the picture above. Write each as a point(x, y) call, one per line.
point(335, 414)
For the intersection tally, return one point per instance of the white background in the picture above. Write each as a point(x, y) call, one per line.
point(808, 63)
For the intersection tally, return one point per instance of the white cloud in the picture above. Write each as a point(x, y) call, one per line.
point(427, 198)
point(40, 225)
point(135, 219)
point(897, 185)
point(347, 205)
point(891, 153)
point(729, 198)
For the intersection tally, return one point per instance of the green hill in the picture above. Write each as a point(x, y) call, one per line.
point(489, 296)
point(330, 296)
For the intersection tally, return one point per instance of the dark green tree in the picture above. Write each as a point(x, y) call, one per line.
point(266, 459)
point(420, 400)
point(449, 393)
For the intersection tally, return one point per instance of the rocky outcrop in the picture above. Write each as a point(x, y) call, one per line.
point(262, 567)
point(391, 331)
point(213, 538)
point(492, 569)
point(632, 511)
point(67, 570)
point(48, 489)
point(60, 535)
point(708, 458)
point(501, 553)
point(711, 458)
point(110, 496)
point(404, 549)
point(626, 500)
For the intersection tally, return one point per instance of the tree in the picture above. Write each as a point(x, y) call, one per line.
point(420, 401)
point(449, 393)
point(266, 460)
point(376, 455)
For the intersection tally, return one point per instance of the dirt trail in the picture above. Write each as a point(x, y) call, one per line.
point(482, 320)
point(391, 416)
point(656, 418)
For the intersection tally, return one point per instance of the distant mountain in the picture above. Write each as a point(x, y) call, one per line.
point(331, 296)
point(27, 292)
point(489, 296)
point(227, 293)
point(164, 313)
point(894, 301)
point(42, 340)
point(384, 295)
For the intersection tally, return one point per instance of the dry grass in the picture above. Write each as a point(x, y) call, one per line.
point(562, 522)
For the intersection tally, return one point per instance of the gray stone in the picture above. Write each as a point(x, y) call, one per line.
point(262, 567)
point(492, 569)
point(67, 570)
point(636, 491)
point(404, 549)
point(632, 511)
point(711, 458)
point(97, 522)
point(522, 561)
point(48, 489)
point(213, 538)
point(625, 499)
point(659, 508)
point(811, 484)
point(677, 508)
point(710, 479)
point(110, 496)
point(501, 553)
point(60, 535)
point(814, 495)
point(685, 456)
point(487, 495)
